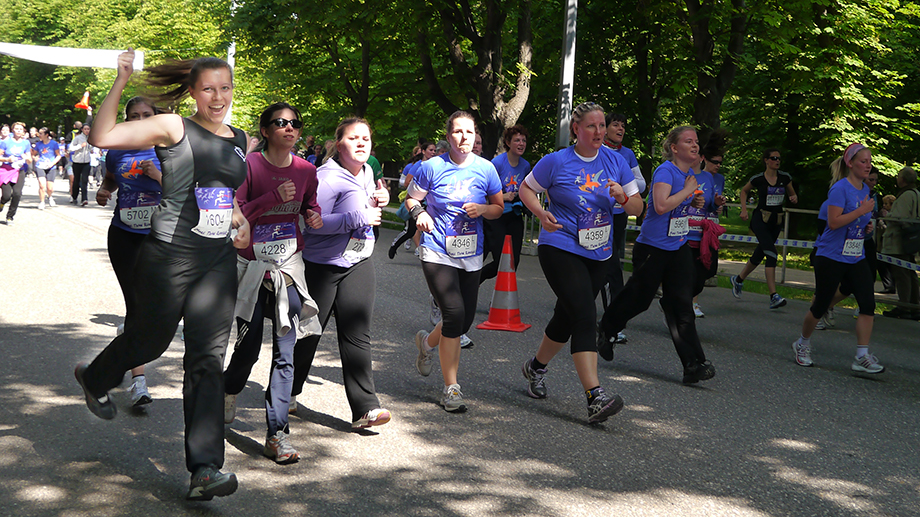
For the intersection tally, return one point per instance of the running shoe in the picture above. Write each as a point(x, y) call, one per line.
point(802, 353)
point(536, 387)
point(51, 202)
point(138, 391)
point(229, 408)
point(776, 301)
point(9, 221)
point(826, 322)
point(697, 311)
point(603, 406)
point(605, 345)
point(41, 205)
point(391, 252)
point(372, 418)
point(620, 339)
point(821, 324)
point(699, 372)
point(208, 482)
point(84, 203)
point(737, 286)
point(466, 342)
point(831, 315)
point(434, 316)
point(278, 448)
point(867, 364)
point(103, 407)
point(292, 407)
point(423, 361)
point(408, 245)
point(452, 399)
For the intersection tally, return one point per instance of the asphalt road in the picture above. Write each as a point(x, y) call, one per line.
point(765, 437)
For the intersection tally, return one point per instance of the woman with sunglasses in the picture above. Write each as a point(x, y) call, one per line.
point(279, 188)
point(711, 205)
point(187, 265)
point(773, 188)
point(339, 271)
point(135, 176)
point(461, 189)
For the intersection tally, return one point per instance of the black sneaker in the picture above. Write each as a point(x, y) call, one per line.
point(603, 406)
point(208, 482)
point(103, 407)
point(535, 379)
point(699, 372)
point(605, 344)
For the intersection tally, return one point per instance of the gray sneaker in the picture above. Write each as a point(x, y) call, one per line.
point(737, 286)
point(452, 399)
point(423, 361)
point(278, 448)
point(536, 387)
point(138, 390)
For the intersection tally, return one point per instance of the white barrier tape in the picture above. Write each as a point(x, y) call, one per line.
point(798, 244)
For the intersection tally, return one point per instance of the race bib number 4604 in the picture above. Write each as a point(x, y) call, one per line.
point(215, 208)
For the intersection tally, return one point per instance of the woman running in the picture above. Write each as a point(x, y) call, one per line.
point(707, 205)
point(340, 273)
point(460, 189)
point(662, 257)
point(45, 156)
point(840, 257)
point(187, 266)
point(136, 176)
point(584, 181)
point(428, 151)
point(15, 157)
point(278, 190)
point(773, 188)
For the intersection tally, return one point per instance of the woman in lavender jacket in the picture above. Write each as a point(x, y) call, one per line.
point(339, 275)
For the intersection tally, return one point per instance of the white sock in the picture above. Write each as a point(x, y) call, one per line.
point(862, 351)
point(804, 340)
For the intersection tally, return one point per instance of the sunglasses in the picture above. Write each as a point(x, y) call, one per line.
point(282, 122)
point(774, 158)
point(715, 162)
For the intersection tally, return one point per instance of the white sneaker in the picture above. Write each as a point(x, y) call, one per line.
point(41, 205)
point(138, 391)
point(435, 315)
point(452, 398)
point(465, 341)
point(51, 202)
point(697, 311)
point(229, 408)
point(802, 353)
point(867, 364)
point(423, 361)
point(372, 418)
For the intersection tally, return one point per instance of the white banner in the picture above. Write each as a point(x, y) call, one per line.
point(62, 56)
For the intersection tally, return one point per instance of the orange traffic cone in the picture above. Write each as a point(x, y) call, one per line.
point(504, 313)
point(84, 102)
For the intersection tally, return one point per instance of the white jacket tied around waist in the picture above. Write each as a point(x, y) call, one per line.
point(250, 274)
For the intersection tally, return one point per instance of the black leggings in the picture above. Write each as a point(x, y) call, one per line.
point(456, 292)
point(349, 294)
point(766, 238)
point(170, 282)
point(406, 234)
point(495, 230)
point(674, 272)
point(575, 280)
point(12, 193)
point(124, 250)
point(830, 274)
point(81, 173)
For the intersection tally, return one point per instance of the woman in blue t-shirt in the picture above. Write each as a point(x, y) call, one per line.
point(662, 257)
point(136, 177)
point(841, 257)
point(583, 182)
point(460, 189)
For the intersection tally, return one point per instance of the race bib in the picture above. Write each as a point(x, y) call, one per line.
point(360, 245)
point(775, 196)
point(593, 230)
point(215, 208)
point(274, 243)
point(696, 214)
point(853, 244)
point(679, 223)
point(136, 208)
point(462, 239)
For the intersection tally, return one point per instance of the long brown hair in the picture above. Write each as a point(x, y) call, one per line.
point(176, 77)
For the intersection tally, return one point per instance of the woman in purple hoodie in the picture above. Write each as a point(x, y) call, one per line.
point(338, 270)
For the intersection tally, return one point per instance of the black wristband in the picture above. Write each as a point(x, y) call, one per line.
point(415, 211)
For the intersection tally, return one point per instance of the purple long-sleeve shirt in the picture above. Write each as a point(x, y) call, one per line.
point(345, 200)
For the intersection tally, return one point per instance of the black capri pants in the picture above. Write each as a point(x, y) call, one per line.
point(829, 274)
point(767, 233)
point(575, 280)
point(456, 292)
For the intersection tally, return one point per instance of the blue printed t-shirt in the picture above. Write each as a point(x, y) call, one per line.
point(706, 184)
point(845, 244)
point(580, 200)
point(46, 153)
point(16, 150)
point(668, 231)
point(633, 164)
point(138, 194)
point(511, 177)
point(456, 238)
